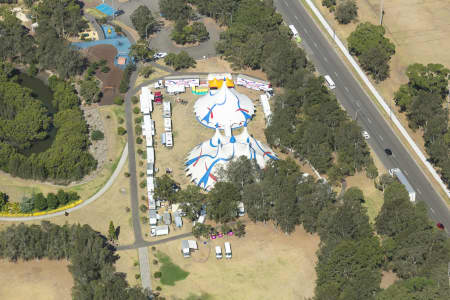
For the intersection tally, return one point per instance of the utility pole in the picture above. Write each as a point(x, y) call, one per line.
point(381, 12)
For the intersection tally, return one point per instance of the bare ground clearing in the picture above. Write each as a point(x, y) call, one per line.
point(262, 260)
point(37, 279)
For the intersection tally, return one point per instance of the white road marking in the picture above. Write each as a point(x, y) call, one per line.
point(369, 120)
point(381, 137)
point(357, 104)
point(287, 4)
point(420, 192)
point(336, 74)
point(296, 18)
point(393, 155)
point(432, 210)
point(325, 59)
point(406, 172)
point(315, 44)
point(346, 89)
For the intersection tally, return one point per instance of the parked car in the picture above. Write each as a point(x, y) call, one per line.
point(365, 135)
point(160, 55)
point(118, 12)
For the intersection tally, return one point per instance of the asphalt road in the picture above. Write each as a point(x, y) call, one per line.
point(360, 107)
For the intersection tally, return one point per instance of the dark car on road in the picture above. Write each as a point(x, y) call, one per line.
point(388, 151)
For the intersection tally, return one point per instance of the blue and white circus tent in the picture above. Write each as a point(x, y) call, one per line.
point(205, 159)
point(225, 109)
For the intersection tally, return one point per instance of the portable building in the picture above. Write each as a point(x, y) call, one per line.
point(150, 155)
point(253, 83)
point(184, 80)
point(150, 184)
point(218, 252)
point(167, 112)
point(175, 89)
point(185, 250)
point(149, 140)
point(150, 169)
point(159, 230)
point(152, 216)
point(241, 209)
point(178, 220)
point(151, 201)
point(266, 107)
point(167, 218)
point(167, 124)
point(228, 250)
point(193, 244)
point(163, 138)
point(169, 139)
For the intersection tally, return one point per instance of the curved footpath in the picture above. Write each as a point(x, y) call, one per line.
point(97, 195)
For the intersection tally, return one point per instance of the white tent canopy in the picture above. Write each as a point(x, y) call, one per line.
point(204, 160)
point(225, 107)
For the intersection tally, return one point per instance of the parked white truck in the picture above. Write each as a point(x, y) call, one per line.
point(228, 253)
point(218, 252)
point(402, 178)
point(159, 230)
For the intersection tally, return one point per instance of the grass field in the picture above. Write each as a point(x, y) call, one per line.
point(38, 280)
point(171, 273)
point(265, 265)
point(95, 12)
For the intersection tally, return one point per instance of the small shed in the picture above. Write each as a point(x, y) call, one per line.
point(167, 124)
point(167, 112)
point(178, 220)
point(167, 219)
point(150, 184)
point(152, 216)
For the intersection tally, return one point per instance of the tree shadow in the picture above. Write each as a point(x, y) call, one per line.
point(117, 231)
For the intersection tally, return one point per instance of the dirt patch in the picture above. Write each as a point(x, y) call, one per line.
point(388, 278)
point(262, 260)
point(37, 279)
point(110, 80)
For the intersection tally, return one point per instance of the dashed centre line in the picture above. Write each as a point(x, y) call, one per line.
point(369, 120)
point(346, 88)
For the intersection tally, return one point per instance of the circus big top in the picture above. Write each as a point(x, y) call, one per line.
point(225, 109)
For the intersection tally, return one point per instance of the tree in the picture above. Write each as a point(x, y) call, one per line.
point(112, 235)
point(165, 188)
point(143, 21)
point(351, 270)
point(141, 51)
point(97, 135)
point(52, 201)
point(222, 202)
point(40, 202)
point(175, 9)
point(27, 205)
point(192, 200)
point(90, 91)
point(63, 197)
point(419, 288)
point(346, 11)
point(179, 61)
point(3, 200)
point(241, 172)
point(373, 50)
point(146, 71)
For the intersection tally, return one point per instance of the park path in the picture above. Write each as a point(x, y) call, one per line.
point(144, 267)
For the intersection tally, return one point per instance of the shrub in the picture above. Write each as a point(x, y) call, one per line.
point(143, 198)
point(142, 174)
point(121, 120)
point(158, 288)
point(330, 4)
point(144, 220)
point(138, 120)
point(146, 71)
point(139, 151)
point(157, 274)
point(143, 208)
point(143, 184)
point(179, 61)
point(136, 110)
point(155, 261)
point(105, 69)
point(138, 129)
point(52, 201)
point(97, 135)
point(118, 100)
point(127, 209)
point(139, 140)
point(346, 11)
point(134, 100)
point(153, 248)
point(137, 276)
point(121, 130)
point(127, 174)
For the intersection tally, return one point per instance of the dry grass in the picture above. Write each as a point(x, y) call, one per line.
point(128, 263)
point(265, 265)
point(16, 187)
point(156, 74)
point(38, 280)
point(388, 278)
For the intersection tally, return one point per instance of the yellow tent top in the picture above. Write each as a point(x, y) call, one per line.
point(215, 84)
point(229, 82)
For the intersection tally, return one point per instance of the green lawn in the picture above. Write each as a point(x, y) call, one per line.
point(170, 271)
point(96, 13)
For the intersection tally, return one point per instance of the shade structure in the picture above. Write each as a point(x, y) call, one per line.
point(206, 158)
point(224, 108)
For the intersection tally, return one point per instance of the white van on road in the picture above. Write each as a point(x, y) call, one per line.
point(329, 82)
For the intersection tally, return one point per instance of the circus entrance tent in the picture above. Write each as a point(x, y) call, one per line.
point(206, 159)
point(224, 108)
